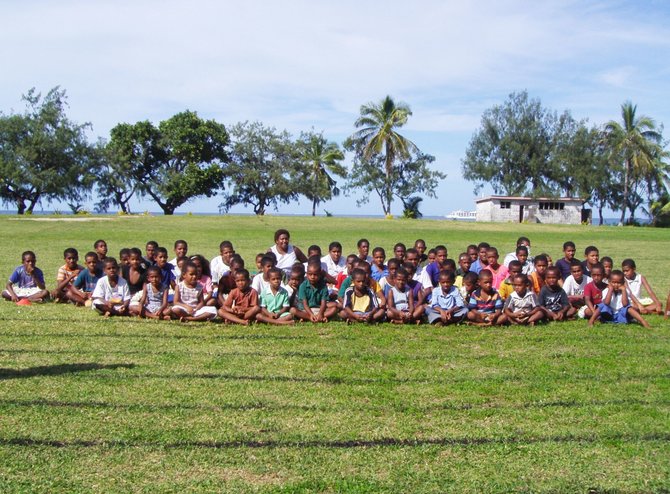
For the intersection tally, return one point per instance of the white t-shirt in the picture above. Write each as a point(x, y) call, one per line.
point(218, 268)
point(573, 288)
point(332, 268)
point(106, 292)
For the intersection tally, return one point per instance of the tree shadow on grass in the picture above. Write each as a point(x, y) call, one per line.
point(56, 370)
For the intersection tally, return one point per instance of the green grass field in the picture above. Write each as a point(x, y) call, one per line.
point(121, 405)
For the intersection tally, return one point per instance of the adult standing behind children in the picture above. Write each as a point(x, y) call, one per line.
point(287, 255)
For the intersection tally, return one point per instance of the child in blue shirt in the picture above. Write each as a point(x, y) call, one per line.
point(446, 306)
point(26, 282)
point(82, 288)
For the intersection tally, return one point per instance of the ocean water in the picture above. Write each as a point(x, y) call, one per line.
point(606, 221)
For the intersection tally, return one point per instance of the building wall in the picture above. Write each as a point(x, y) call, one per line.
point(491, 211)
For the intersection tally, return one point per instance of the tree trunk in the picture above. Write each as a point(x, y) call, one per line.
point(32, 204)
point(625, 193)
point(600, 215)
point(20, 207)
point(314, 202)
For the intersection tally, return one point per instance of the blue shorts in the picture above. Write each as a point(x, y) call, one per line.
point(608, 315)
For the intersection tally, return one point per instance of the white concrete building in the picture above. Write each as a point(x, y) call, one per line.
point(563, 210)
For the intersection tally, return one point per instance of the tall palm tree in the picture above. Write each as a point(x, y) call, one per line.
point(377, 134)
point(322, 160)
point(636, 144)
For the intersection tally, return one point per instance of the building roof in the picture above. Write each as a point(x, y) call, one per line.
point(530, 199)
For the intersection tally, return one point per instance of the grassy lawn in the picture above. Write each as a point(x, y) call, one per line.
point(120, 405)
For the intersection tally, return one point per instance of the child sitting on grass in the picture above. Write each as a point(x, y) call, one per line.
point(241, 305)
point(593, 292)
point(313, 297)
point(618, 304)
point(360, 302)
point(400, 301)
point(522, 306)
point(154, 299)
point(635, 283)
point(446, 306)
point(274, 301)
point(575, 284)
point(553, 299)
point(111, 295)
point(66, 275)
point(416, 289)
point(227, 282)
point(26, 282)
point(485, 304)
point(82, 288)
point(189, 303)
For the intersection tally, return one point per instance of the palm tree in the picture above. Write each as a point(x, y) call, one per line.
point(322, 160)
point(378, 123)
point(636, 144)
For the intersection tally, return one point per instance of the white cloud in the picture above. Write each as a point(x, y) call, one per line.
point(299, 64)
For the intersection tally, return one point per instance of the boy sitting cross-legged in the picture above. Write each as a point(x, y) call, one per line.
point(618, 304)
point(360, 302)
point(66, 275)
point(553, 299)
point(275, 305)
point(313, 297)
point(446, 306)
point(111, 295)
point(82, 288)
point(485, 304)
point(522, 306)
point(400, 300)
point(26, 282)
point(241, 305)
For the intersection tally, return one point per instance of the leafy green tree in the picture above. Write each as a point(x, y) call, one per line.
point(320, 160)
point(385, 162)
point(43, 154)
point(408, 177)
point(635, 144)
point(377, 138)
point(263, 169)
point(182, 158)
point(517, 149)
point(120, 162)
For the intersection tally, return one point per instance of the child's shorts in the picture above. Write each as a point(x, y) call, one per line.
point(434, 316)
point(608, 315)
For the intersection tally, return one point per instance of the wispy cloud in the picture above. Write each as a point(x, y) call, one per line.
point(300, 64)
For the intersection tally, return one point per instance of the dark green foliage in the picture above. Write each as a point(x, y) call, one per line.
point(182, 158)
point(386, 162)
point(264, 168)
point(44, 155)
point(320, 160)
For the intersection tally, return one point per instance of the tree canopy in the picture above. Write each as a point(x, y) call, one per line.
point(43, 154)
point(183, 158)
point(385, 162)
point(321, 160)
point(263, 169)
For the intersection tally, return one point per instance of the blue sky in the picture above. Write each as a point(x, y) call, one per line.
point(298, 65)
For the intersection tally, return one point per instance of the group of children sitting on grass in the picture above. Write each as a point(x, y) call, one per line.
point(412, 287)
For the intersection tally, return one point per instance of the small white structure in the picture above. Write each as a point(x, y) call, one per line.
point(563, 210)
